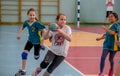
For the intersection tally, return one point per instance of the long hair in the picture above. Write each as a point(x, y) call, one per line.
point(32, 9)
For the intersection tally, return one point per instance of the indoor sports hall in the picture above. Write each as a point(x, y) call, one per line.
point(85, 17)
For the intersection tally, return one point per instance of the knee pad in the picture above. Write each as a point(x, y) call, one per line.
point(24, 55)
point(44, 64)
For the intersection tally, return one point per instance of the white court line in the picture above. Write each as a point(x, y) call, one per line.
point(74, 68)
point(70, 64)
point(87, 58)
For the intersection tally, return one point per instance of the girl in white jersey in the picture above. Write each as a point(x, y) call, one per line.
point(60, 39)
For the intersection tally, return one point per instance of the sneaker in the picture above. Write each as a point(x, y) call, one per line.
point(110, 73)
point(100, 74)
point(36, 72)
point(36, 57)
point(20, 73)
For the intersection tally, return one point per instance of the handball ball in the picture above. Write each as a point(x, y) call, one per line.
point(53, 26)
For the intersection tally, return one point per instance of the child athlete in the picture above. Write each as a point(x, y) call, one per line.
point(34, 28)
point(60, 39)
point(109, 46)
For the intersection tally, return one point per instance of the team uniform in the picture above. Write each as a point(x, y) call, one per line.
point(109, 46)
point(59, 44)
point(109, 7)
point(57, 52)
point(34, 40)
point(109, 42)
point(34, 36)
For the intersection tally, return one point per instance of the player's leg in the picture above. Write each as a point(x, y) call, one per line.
point(117, 73)
point(111, 59)
point(24, 55)
point(24, 59)
point(102, 61)
point(48, 58)
point(36, 51)
point(55, 63)
point(106, 20)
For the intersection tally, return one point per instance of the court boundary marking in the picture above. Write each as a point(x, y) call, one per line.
point(87, 57)
point(74, 68)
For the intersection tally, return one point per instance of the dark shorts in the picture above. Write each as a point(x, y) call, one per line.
point(29, 46)
point(107, 13)
point(54, 61)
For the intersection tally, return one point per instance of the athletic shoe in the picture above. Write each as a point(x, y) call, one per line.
point(100, 74)
point(36, 72)
point(36, 57)
point(20, 73)
point(110, 73)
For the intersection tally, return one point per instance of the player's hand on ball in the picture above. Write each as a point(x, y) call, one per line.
point(58, 30)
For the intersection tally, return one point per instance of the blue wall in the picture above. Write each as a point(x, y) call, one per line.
point(95, 10)
point(69, 8)
point(91, 10)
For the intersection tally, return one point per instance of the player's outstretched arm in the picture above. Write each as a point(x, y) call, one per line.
point(20, 33)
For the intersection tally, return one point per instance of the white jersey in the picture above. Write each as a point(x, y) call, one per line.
point(60, 45)
point(109, 7)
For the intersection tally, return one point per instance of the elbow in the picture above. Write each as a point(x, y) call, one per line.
point(70, 40)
